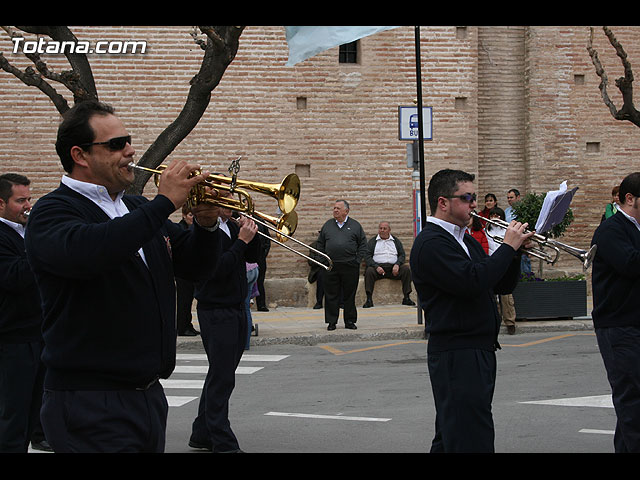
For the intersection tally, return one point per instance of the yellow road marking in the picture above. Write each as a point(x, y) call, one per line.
point(337, 351)
point(544, 340)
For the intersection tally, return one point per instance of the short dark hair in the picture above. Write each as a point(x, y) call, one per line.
point(491, 195)
point(8, 180)
point(74, 130)
point(630, 184)
point(497, 211)
point(444, 184)
point(515, 190)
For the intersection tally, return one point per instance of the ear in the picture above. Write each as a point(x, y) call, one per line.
point(442, 203)
point(627, 198)
point(79, 156)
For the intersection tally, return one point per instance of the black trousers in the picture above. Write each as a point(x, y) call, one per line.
point(404, 274)
point(342, 278)
point(620, 350)
point(21, 379)
point(224, 334)
point(184, 303)
point(106, 421)
point(261, 299)
point(463, 382)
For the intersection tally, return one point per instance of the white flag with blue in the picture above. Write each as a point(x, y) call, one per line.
point(305, 42)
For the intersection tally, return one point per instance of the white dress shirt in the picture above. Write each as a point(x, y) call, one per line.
point(455, 231)
point(99, 195)
point(18, 227)
point(385, 251)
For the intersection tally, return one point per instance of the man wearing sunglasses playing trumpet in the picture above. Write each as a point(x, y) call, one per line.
point(456, 282)
point(105, 264)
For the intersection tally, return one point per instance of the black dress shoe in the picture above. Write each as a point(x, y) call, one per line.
point(189, 332)
point(350, 326)
point(368, 303)
point(200, 445)
point(317, 306)
point(263, 309)
point(408, 301)
point(331, 326)
point(43, 446)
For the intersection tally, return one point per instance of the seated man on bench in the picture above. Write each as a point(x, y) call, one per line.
point(385, 258)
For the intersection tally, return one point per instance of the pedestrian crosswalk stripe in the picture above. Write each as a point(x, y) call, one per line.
point(178, 401)
point(601, 432)
point(246, 357)
point(199, 371)
point(603, 401)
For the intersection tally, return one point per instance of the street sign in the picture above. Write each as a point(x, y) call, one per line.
point(408, 123)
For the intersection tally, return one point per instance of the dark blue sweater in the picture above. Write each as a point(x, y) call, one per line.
point(226, 286)
point(109, 321)
point(616, 273)
point(20, 315)
point(457, 293)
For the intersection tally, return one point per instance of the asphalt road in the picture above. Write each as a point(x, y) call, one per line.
point(551, 396)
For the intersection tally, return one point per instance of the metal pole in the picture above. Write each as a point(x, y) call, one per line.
point(423, 203)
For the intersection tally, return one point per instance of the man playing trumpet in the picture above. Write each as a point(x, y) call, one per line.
point(456, 283)
point(105, 264)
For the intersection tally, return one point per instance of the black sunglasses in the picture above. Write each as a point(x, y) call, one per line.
point(465, 197)
point(113, 144)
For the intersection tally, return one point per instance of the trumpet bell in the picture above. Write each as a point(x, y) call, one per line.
point(286, 193)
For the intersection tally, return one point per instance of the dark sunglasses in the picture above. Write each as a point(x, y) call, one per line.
point(465, 197)
point(113, 144)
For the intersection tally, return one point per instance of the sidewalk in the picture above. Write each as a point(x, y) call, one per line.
point(305, 326)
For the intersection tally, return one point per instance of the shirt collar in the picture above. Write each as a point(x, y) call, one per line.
point(631, 219)
point(340, 224)
point(96, 193)
point(455, 230)
point(385, 239)
point(18, 227)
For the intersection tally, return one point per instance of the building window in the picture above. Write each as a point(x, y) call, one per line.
point(349, 52)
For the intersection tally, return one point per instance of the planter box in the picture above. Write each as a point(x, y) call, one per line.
point(550, 299)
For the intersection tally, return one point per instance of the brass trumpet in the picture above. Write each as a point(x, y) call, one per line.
point(287, 194)
point(585, 256)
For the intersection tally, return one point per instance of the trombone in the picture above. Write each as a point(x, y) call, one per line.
point(585, 256)
point(287, 194)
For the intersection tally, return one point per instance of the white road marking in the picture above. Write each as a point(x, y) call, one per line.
point(178, 401)
point(201, 371)
point(602, 401)
point(246, 357)
point(603, 432)
point(327, 417)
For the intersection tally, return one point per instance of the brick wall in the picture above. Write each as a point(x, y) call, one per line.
point(515, 105)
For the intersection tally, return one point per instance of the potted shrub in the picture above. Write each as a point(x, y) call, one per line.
point(535, 298)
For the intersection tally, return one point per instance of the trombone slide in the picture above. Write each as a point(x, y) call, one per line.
point(287, 195)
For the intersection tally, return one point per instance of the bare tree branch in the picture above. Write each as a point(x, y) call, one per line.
point(79, 80)
point(220, 48)
point(628, 111)
point(219, 51)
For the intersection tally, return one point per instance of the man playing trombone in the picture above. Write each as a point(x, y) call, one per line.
point(105, 264)
point(456, 282)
